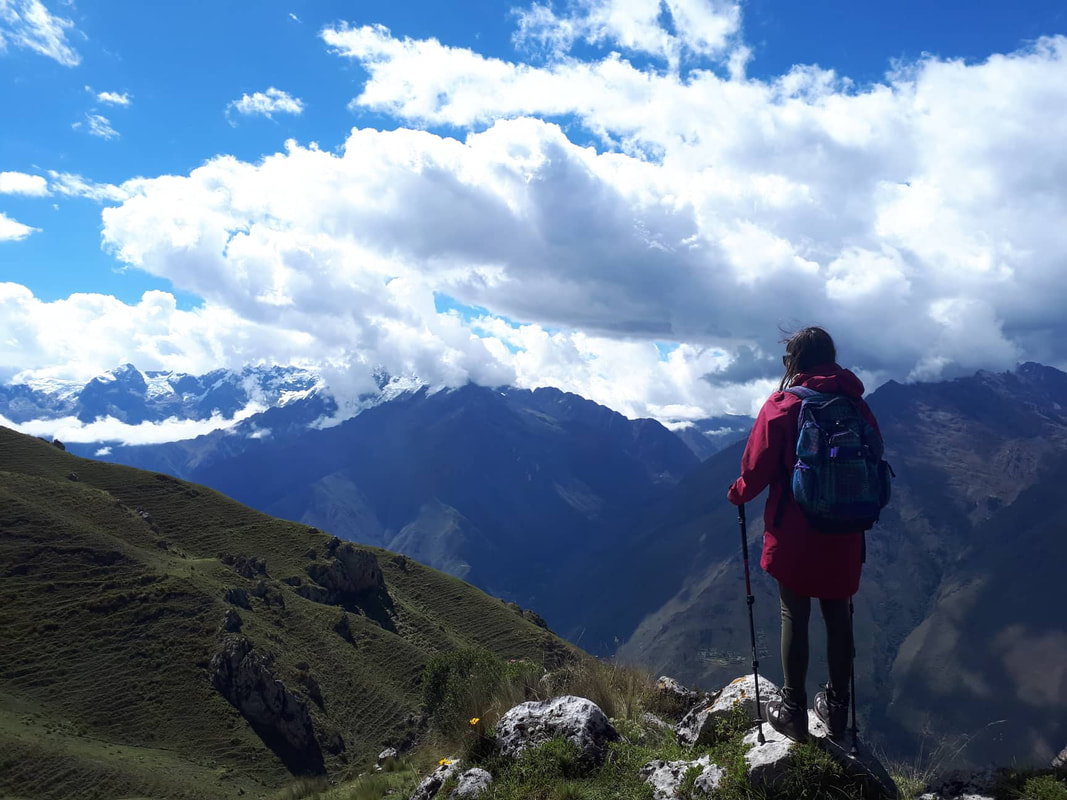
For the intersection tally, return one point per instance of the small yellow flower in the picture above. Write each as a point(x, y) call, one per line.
point(475, 720)
point(444, 762)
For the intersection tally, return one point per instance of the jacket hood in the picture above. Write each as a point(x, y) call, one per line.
point(831, 378)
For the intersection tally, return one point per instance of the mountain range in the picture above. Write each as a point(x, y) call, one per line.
point(618, 534)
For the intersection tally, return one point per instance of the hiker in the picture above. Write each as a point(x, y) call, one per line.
point(806, 561)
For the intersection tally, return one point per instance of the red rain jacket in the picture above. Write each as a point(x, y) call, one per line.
point(808, 562)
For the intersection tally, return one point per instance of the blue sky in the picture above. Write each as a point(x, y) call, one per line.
point(129, 89)
point(182, 64)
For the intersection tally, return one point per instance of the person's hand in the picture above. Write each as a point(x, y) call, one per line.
point(733, 495)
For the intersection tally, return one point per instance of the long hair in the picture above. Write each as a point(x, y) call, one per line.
point(807, 348)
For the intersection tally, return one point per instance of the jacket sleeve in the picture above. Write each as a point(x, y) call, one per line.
point(764, 456)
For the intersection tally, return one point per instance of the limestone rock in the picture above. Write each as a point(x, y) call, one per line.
point(471, 784)
point(679, 699)
point(351, 571)
point(245, 678)
point(433, 782)
point(666, 777)
point(1061, 759)
point(770, 762)
point(574, 718)
point(652, 721)
point(697, 726)
point(767, 763)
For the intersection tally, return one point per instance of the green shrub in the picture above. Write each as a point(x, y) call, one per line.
point(458, 686)
point(1044, 787)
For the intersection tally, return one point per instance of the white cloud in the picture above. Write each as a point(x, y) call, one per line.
point(272, 101)
point(12, 230)
point(29, 25)
point(109, 429)
point(24, 184)
point(667, 29)
point(114, 98)
point(918, 218)
point(96, 125)
point(71, 185)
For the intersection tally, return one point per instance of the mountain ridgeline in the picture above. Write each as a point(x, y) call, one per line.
point(498, 487)
point(160, 639)
point(623, 541)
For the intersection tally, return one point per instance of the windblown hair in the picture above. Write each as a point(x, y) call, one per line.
point(807, 348)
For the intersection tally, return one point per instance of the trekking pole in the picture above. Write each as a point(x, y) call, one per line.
point(854, 750)
point(751, 622)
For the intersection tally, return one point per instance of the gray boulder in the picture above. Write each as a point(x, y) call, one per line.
point(698, 725)
point(769, 763)
point(387, 755)
point(666, 777)
point(471, 784)
point(574, 718)
point(433, 782)
point(280, 716)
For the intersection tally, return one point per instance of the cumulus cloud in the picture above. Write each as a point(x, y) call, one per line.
point(29, 25)
point(272, 101)
point(24, 184)
point(13, 230)
point(96, 125)
point(918, 218)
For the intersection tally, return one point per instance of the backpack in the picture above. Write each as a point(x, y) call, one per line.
point(840, 481)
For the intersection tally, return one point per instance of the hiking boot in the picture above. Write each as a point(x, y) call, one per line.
point(789, 716)
point(832, 711)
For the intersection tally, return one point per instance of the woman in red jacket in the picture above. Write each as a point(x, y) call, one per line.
point(805, 562)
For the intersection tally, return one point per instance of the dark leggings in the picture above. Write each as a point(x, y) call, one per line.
point(796, 609)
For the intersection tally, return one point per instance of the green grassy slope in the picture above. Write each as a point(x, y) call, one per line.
point(109, 619)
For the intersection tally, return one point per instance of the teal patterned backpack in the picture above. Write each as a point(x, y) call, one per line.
point(840, 481)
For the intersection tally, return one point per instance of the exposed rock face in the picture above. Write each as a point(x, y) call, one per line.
point(280, 716)
point(472, 783)
point(350, 571)
point(231, 621)
point(246, 566)
point(1061, 759)
point(666, 777)
point(697, 726)
point(578, 720)
point(676, 693)
point(433, 782)
point(388, 754)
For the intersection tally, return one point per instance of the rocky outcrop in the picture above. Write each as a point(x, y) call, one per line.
point(978, 785)
point(350, 572)
point(675, 699)
point(1061, 759)
point(231, 621)
point(666, 777)
point(576, 719)
point(280, 716)
point(472, 784)
point(433, 782)
point(698, 726)
point(246, 566)
point(770, 763)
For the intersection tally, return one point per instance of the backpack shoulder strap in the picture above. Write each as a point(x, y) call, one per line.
point(803, 392)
